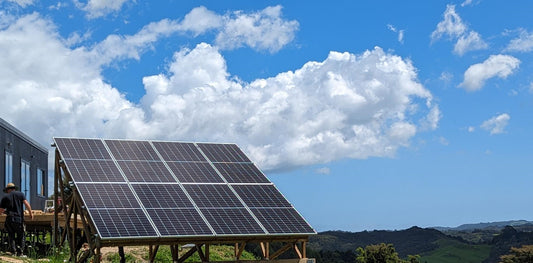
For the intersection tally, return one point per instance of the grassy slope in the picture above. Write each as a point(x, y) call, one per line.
point(452, 251)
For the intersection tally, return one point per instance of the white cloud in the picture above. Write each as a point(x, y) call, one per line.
point(471, 129)
point(466, 2)
point(497, 124)
point(200, 20)
point(22, 3)
point(400, 32)
point(453, 27)
point(99, 8)
point(263, 30)
point(495, 66)
point(323, 170)
point(469, 42)
point(347, 106)
point(524, 43)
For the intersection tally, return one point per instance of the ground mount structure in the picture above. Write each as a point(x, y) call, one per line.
point(139, 192)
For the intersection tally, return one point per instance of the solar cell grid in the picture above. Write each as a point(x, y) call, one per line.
point(179, 222)
point(162, 196)
point(107, 196)
point(94, 171)
point(178, 151)
point(218, 195)
point(146, 171)
point(261, 196)
point(241, 173)
point(132, 150)
point(72, 148)
point(231, 221)
point(282, 221)
point(223, 152)
point(113, 223)
point(194, 172)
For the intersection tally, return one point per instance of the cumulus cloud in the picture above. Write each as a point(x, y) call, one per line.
point(263, 30)
point(453, 27)
point(495, 66)
point(347, 106)
point(497, 124)
point(524, 43)
point(99, 8)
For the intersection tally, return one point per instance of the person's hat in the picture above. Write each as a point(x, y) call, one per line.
point(9, 186)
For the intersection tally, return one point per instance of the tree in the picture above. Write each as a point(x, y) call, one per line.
point(382, 253)
point(523, 254)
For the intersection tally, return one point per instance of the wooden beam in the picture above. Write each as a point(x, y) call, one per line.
point(265, 248)
point(281, 251)
point(200, 252)
point(304, 249)
point(239, 252)
point(206, 251)
point(295, 246)
point(153, 252)
point(187, 255)
point(174, 252)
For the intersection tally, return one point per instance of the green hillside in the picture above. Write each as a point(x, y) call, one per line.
point(453, 251)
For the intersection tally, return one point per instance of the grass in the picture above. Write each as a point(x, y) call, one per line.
point(451, 251)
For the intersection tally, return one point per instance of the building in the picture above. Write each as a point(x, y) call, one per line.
point(25, 163)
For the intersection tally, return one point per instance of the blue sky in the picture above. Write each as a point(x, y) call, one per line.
point(365, 114)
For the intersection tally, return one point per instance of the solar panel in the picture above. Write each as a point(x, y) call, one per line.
point(162, 196)
point(146, 171)
point(179, 222)
point(94, 171)
point(86, 149)
point(282, 220)
point(178, 151)
point(212, 195)
point(195, 172)
point(132, 150)
point(261, 196)
point(232, 221)
point(107, 196)
point(155, 189)
point(117, 223)
point(223, 153)
point(241, 173)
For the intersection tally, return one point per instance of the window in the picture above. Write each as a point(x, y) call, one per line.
point(25, 178)
point(40, 182)
point(9, 168)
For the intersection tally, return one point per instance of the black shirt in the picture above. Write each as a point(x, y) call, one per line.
point(13, 202)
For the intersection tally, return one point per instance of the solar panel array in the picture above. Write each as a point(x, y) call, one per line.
point(155, 189)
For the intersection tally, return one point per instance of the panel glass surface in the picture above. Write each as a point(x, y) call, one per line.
point(94, 171)
point(194, 172)
point(261, 196)
point(241, 173)
point(217, 195)
point(162, 196)
point(107, 196)
point(113, 223)
point(231, 221)
point(179, 222)
point(146, 171)
point(223, 153)
point(72, 148)
point(179, 151)
point(282, 221)
point(132, 150)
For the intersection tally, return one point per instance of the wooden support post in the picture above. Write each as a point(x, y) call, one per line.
point(206, 251)
point(174, 252)
point(281, 251)
point(153, 253)
point(265, 248)
point(121, 254)
point(239, 252)
point(200, 252)
point(304, 249)
point(98, 255)
point(295, 246)
point(57, 176)
point(73, 245)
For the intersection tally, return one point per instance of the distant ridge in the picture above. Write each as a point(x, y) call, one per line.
point(498, 225)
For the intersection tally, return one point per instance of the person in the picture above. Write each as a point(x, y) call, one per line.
point(11, 205)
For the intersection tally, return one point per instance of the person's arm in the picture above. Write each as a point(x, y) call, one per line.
point(28, 207)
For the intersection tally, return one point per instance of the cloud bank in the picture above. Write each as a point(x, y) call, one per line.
point(347, 106)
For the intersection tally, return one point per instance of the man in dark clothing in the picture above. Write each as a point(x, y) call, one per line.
point(11, 205)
